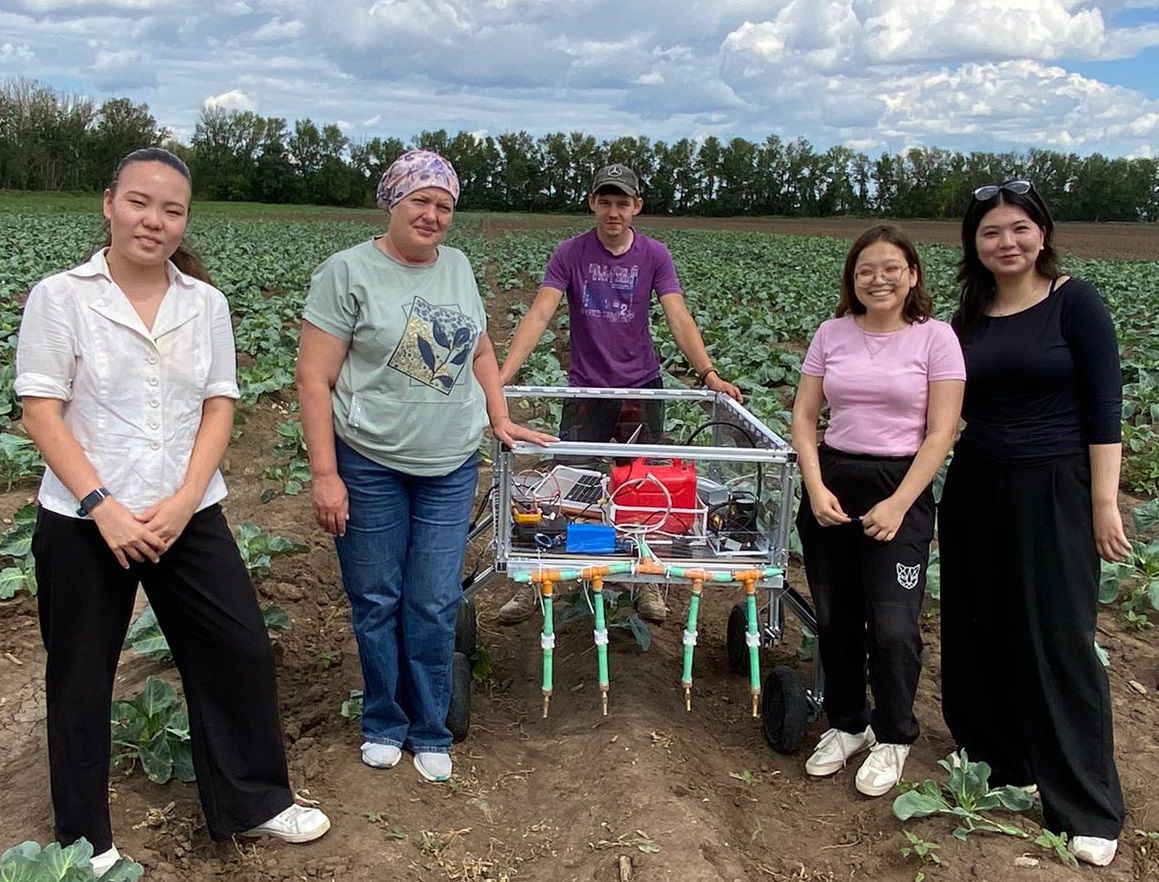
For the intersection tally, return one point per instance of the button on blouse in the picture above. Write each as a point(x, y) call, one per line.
point(132, 396)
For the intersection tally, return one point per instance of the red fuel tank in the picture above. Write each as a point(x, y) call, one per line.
point(637, 498)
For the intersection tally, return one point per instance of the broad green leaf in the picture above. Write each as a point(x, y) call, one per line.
point(1104, 658)
point(1109, 578)
point(1153, 593)
point(178, 723)
point(276, 618)
point(123, 870)
point(182, 754)
point(1146, 516)
point(28, 849)
point(157, 758)
point(1013, 798)
point(918, 804)
point(640, 632)
point(11, 581)
point(17, 541)
point(20, 868)
point(57, 862)
point(934, 578)
point(154, 646)
point(352, 707)
point(156, 697)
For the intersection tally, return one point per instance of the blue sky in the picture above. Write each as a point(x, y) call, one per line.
point(1069, 75)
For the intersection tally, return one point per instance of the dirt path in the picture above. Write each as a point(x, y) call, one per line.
point(1110, 241)
point(684, 796)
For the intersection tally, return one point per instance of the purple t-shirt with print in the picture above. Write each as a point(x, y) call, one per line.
point(608, 300)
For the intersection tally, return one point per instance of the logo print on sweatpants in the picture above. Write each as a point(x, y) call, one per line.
point(907, 577)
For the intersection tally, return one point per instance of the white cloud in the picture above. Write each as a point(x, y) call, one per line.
point(279, 30)
point(11, 53)
point(234, 99)
point(975, 74)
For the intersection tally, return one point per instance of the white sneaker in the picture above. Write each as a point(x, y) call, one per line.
point(434, 766)
point(882, 769)
point(519, 608)
point(835, 748)
point(298, 823)
point(380, 756)
point(104, 861)
point(1093, 849)
point(650, 603)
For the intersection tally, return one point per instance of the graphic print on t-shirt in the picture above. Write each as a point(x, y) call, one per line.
point(435, 346)
point(608, 292)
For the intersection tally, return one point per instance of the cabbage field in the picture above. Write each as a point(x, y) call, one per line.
point(650, 792)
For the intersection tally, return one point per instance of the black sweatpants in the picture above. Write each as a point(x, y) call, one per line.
point(1022, 687)
point(207, 609)
point(605, 419)
point(868, 596)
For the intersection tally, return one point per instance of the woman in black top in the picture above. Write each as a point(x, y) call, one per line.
point(1030, 504)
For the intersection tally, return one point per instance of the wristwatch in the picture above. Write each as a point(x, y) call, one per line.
point(92, 501)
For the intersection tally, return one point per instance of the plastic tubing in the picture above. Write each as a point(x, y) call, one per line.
point(601, 638)
point(690, 640)
point(754, 643)
point(548, 643)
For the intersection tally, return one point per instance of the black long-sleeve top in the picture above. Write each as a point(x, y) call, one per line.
point(1043, 383)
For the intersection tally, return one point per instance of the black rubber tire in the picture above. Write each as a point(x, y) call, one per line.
point(738, 650)
point(466, 629)
point(459, 713)
point(784, 709)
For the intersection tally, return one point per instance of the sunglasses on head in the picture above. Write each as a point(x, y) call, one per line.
point(989, 191)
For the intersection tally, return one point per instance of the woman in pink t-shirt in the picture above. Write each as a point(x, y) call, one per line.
point(893, 378)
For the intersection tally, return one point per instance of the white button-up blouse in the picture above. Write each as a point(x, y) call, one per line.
point(133, 396)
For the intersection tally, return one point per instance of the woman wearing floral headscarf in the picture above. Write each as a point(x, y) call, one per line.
point(397, 380)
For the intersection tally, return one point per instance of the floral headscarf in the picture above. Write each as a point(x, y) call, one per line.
point(412, 171)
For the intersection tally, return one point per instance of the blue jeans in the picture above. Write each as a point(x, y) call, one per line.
point(402, 562)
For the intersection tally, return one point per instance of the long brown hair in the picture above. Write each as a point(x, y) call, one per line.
point(918, 305)
point(185, 258)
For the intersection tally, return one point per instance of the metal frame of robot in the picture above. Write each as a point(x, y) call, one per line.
point(773, 452)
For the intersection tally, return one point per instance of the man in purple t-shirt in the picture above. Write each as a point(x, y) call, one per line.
point(609, 274)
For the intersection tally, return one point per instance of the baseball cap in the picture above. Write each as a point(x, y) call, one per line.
point(619, 176)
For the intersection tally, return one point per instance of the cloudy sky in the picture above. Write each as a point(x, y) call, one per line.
point(1071, 75)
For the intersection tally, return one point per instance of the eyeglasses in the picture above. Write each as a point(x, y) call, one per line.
point(989, 191)
point(867, 274)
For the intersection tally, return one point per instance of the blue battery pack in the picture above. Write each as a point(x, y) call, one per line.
point(591, 539)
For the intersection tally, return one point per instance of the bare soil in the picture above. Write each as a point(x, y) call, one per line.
point(650, 792)
point(1109, 241)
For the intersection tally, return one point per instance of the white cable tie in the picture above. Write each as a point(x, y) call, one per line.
point(752, 639)
point(601, 637)
point(547, 641)
point(690, 638)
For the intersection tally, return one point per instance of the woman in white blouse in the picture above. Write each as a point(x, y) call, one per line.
point(126, 371)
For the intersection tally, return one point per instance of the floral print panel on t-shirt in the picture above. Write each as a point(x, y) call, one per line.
point(436, 346)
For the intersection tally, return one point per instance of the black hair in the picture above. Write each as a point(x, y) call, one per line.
point(977, 287)
point(185, 258)
point(613, 190)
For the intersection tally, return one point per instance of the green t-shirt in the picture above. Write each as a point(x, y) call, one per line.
point(406, 395)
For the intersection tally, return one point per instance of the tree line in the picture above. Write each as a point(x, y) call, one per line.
point(53, 141)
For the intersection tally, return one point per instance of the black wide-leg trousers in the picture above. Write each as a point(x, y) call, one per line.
point(868, 597)
point(1022, 686)
point(206, 606)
